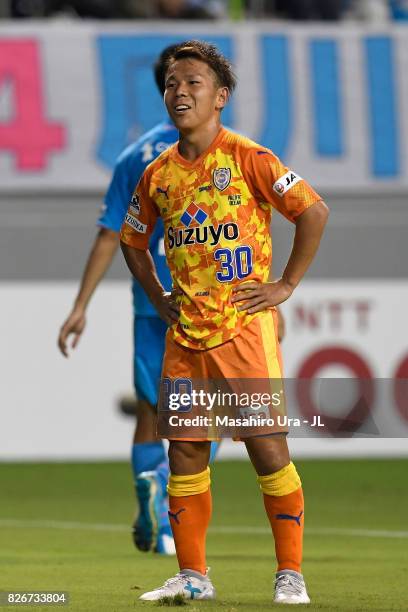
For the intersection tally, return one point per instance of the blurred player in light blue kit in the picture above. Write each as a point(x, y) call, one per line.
point(151, 530)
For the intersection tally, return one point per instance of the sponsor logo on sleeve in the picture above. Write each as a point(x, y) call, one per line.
point(134, 205)
point(286, 182)
point(135, 224)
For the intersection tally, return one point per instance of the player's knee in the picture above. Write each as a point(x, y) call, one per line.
point(268, 454)
point(188, 457)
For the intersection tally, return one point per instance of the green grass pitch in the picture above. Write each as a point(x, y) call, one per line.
point(65, 527)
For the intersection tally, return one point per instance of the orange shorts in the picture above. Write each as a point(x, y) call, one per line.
point(248, 364)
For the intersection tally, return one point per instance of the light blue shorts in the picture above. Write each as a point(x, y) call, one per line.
point(149, 341)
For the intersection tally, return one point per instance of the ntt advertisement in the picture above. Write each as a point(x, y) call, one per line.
point(329, 101)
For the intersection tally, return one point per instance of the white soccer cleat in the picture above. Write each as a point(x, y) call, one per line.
point(167, 545)
point(188, 583)
point(290, 588)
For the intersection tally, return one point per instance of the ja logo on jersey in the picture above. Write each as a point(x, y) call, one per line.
point(286, 182)
point(221, 178)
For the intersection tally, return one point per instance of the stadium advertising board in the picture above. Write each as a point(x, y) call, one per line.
point(59, 409)
point(328, 101)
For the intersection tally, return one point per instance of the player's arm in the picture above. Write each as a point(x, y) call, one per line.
point(299, 203)
point(135, 233)
point(281, 325)
point(310, 225)
point(141, 265)
point(281, 318)
point(100, 258)
point(102, 251)
point(309, 229)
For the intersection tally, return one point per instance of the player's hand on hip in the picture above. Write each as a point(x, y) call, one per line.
point(74, 325)
point(168, 307)
point(254, 297)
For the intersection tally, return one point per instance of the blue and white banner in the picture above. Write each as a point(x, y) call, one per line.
point(331, 101)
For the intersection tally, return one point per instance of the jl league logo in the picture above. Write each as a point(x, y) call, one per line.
point(135, 204)
point(222, 178)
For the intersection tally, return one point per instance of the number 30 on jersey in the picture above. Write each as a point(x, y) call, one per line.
point(235, 263)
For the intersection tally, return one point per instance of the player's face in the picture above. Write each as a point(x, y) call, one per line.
point(192, 96)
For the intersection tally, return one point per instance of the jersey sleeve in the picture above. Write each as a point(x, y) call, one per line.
point(141, 216)
point(277, 185)
point(118, 195)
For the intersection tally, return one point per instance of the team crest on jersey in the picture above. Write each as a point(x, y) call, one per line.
point(222, 178)
point(135, 204)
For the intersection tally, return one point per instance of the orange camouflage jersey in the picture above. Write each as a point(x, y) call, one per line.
point(217, 213)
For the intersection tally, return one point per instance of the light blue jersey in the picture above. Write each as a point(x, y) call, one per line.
point(128, 170)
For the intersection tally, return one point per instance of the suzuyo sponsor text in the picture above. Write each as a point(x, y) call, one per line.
point(211, 234)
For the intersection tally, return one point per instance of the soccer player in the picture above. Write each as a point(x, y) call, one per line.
point(151, 530)
point(149, 463)
point(215, 191)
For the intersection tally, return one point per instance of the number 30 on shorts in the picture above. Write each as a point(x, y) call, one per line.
point(234, 264)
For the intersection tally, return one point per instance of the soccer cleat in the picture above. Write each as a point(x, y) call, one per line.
point(188, 583)
point(290, 588)
point(165, 544)
point(165, 541)
point(150, 530)
point(127, 404)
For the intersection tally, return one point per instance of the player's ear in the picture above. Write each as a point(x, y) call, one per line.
point(222, 98)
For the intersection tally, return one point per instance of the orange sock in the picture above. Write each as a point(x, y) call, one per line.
point(286, 517)
point(189, 519)
point(190, 507)
point(283, 499)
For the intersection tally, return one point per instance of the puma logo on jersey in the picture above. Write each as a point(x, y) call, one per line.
point(286, 182)
point(164, 191)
